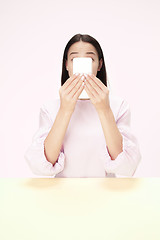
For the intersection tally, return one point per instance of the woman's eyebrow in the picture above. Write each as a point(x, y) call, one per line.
point(90, 53)
point(86, 53)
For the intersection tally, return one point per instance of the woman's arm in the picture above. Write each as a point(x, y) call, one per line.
point(121, 143)
point(53, 142)
point(69, 93)
point(99, 95)
point(112, 135)
point(127, 161)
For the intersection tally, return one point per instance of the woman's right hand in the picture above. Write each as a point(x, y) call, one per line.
point(70, 91)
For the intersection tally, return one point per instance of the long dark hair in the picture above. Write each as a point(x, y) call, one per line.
point(102, 75)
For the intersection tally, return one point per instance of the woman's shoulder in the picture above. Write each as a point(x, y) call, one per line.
point(117, 103)
point(116, 99)
point(51, 105)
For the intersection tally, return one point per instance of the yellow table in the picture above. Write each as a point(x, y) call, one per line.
point(80, 208)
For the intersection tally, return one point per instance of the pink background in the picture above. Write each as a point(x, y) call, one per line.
point(33, 35)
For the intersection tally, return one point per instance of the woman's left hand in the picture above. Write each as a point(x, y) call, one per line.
point(98, 92)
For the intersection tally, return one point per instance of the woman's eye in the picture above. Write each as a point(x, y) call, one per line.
point(73, 58)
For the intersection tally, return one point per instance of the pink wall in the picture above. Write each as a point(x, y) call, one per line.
point(33, 35)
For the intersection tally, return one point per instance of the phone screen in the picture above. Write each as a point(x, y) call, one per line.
point(82, 65)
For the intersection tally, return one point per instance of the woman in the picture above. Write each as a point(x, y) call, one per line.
point(84, 137)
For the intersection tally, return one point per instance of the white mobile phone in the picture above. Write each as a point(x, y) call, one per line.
point(82, 65)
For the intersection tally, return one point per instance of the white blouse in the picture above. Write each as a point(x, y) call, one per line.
point(84, 152)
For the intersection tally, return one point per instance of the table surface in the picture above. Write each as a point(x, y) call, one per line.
point(80, 208)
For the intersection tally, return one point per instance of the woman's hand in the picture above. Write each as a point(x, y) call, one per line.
point(98, 92)
point(70, 91)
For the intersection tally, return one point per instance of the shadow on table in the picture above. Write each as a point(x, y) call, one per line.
point(111, 184)
point(121, 184)
point(42, 182)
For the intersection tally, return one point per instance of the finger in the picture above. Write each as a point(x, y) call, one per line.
point(76, 88)
point(96, 80)
point(91, 82)
point(91, 88)
point(73, 84)
point(78, 92)
point(90, 94)
point(70, 80)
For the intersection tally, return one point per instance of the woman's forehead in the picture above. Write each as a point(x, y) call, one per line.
point(82, 47)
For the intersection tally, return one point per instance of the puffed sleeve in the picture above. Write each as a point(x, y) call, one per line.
point(35, 154)
point(127, 161)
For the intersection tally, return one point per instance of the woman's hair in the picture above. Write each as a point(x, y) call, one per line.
point(102, 75)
